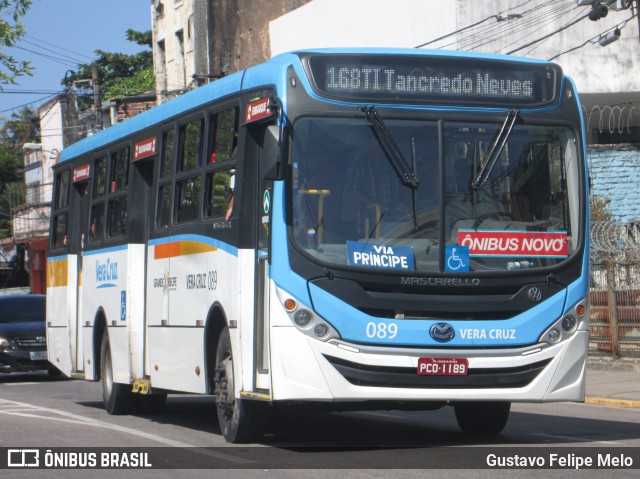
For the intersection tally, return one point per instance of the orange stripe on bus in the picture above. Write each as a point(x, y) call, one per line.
point(181, 248)
point(57, 273)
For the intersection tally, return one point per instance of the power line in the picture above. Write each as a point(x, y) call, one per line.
point(593, 40)
point(469, 26)
point(49, 57)
point(501, 30)
point(457, 31)
point(548, 20)
point(568, 25)
point(497, 27)
point(76, 60)
point(27, 104)
point(543, 16)
point(540, 44)
point(58, 46)
point(29, 92)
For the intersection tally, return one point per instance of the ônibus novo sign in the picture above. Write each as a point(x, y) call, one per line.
point(514, 243)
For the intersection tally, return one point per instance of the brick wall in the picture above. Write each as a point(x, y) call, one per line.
point(615, 174)
point(128, 110)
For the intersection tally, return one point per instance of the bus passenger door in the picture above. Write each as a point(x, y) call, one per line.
point(81, 190)
point(141, 220)
point(261, 312)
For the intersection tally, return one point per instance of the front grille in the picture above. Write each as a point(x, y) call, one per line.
point(401, 377)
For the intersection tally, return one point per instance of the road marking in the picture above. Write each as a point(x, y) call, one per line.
point(20, 384)
point(85, 421)
point(383, 414)
point(574, 438)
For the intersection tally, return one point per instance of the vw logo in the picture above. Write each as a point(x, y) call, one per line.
point(442, 332)
point(535, 295)
point(41, 339)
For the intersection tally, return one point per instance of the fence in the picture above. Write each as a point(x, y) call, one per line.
point(615, 289)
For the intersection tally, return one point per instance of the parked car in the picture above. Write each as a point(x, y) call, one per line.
point(23, 339)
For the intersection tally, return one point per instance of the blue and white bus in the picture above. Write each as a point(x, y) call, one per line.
point(348, 228)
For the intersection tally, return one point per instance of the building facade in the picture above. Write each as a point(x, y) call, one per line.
point(197, 41)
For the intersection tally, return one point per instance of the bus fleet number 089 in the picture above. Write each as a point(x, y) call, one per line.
point(382, 330)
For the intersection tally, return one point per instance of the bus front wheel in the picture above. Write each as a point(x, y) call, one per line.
point(482, 417)
point(239, 419)
point(117, 397)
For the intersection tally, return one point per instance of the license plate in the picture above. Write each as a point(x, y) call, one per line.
point(38, 355)
point(443, 366)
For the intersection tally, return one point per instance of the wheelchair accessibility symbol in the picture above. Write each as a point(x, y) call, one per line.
point(456, 259)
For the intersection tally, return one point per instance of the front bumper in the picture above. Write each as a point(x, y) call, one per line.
point(20, 361)
point(306, 369)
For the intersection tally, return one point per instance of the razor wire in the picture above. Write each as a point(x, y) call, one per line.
point(615, 241)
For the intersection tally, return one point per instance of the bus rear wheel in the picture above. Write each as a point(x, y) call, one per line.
point(482, 417)
point(239, 419)
point(117, 397)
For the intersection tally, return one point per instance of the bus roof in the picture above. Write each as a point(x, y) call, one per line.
point(263, 74)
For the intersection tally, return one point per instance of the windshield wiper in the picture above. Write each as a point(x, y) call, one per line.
point(390, 147)
point(496, 148)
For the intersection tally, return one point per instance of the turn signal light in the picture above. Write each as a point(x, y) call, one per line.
point(581, 309)
point(289, 304)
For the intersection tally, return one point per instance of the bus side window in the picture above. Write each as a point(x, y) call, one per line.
point(119, 170)
point(187, 188)
point(117, 202)
point(163, 211)
point(100, 177)
point(60, 219)
point(220, 180)
point(218, 193)
point(168, 142)
point(97, 222)
point(188, 199)
point(163, 199)
point(191, 145)
point(223, 136)
point(96, 230)
point(117, 217)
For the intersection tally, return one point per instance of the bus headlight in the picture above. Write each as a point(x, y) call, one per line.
point(574, 319)
point(305, 320)
point(321, 330)
point(302, 318)
point(569, 324)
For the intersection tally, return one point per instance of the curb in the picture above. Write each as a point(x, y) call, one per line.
point(628, 403)
point(607, 364)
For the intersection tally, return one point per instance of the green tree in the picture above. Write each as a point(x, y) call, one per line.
point(599, 208)
point(119, 74)
point(12, 30)
point(23, 127)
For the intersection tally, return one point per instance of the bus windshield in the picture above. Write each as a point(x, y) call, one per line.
point(351, 209)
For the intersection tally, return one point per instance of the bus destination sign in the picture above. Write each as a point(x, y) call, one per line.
point(416, 79)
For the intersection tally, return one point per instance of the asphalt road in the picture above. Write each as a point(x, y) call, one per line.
point(41, 412)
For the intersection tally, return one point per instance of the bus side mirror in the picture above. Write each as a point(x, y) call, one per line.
point(272, 168)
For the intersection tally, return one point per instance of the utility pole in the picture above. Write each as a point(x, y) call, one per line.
point(97, 104)
point(637, 16)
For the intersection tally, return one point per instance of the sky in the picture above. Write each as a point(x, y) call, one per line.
point(71, 31)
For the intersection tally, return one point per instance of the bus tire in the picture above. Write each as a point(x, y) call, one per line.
point(482, 417)
point(239, 419)
point(117, 397)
